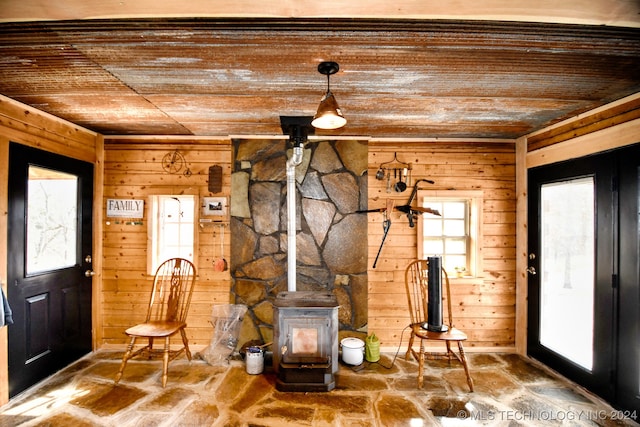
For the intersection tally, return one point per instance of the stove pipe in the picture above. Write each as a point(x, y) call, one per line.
point(295, 160)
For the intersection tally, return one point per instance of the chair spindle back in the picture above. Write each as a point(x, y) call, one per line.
point(416, 283)
point(172, 290)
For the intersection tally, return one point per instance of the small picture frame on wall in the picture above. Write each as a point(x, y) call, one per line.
point(214, 206)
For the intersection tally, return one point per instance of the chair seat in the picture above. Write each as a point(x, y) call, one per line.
point(452, 334)
point(155, 329)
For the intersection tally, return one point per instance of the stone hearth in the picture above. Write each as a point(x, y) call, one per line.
point(331, 238)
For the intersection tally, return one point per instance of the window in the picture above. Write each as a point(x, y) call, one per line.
point(171, 229)
point(455, 234)
point(52, 220)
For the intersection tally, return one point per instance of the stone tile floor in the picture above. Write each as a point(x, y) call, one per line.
point(510, 391)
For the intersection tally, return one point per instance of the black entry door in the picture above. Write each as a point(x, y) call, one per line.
point(584, 288)
point(49, 252)
point(628, 360)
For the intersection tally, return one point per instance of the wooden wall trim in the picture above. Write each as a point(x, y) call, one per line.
point(26, 125)
point(4, 200)
point(419, 142)
point(595, 12)
point(606, 139)
point(97, 321)
point(133, 140)
point(521, 277)
point(615, 114)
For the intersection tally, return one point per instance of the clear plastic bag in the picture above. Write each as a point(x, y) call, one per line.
point(227, 323)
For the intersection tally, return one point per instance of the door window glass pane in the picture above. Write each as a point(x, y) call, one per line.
point(567, 262)
point(52, 220)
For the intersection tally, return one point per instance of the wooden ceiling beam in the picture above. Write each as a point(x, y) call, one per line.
point(585, 12)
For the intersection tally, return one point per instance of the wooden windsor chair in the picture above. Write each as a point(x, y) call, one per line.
point(166, 314)
point(416, 283)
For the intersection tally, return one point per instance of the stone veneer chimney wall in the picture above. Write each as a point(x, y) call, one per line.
point(331, 238)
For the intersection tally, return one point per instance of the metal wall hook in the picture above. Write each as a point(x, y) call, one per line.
point(397, 166)
point(395, 159)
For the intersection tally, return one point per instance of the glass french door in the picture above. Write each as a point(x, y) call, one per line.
point(584, 288)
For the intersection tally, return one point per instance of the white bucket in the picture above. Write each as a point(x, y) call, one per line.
point(352, 351)
point(254, 360)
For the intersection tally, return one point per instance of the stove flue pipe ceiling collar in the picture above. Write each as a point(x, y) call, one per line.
point(297, 127)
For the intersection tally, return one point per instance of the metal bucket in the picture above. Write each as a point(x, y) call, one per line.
point(254, 360)
point(352, 351)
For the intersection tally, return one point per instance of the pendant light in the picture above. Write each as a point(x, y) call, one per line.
point(329, 115)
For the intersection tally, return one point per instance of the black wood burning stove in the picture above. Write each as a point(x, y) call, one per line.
point(305, 336)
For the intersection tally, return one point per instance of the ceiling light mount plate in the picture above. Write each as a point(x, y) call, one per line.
point(328, 67)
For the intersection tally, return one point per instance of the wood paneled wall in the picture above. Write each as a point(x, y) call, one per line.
point(484, 307)
point(133, 170)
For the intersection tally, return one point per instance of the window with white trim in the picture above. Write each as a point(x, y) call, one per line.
point(171, 229)
point(455, 234)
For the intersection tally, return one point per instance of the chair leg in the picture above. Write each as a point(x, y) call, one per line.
point(449, 352)
point(125, 358)
point(408, 355)
point(421, 365)
point(185, 341)
point(165, 362)
point(463, 358)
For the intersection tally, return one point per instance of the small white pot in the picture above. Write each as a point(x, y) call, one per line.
point(352, 351)
point(254, 360)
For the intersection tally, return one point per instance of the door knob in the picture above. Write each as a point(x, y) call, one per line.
point(531, 271)
point(89, 273)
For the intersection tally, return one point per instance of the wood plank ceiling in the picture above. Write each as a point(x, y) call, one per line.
point(397, 78)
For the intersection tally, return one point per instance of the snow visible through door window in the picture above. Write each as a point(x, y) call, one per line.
point(52, 220)
point(567, 262)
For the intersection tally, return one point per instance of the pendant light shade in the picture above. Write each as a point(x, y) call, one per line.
point(329, 115)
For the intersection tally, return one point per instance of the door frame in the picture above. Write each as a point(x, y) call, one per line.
point(629, 271)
